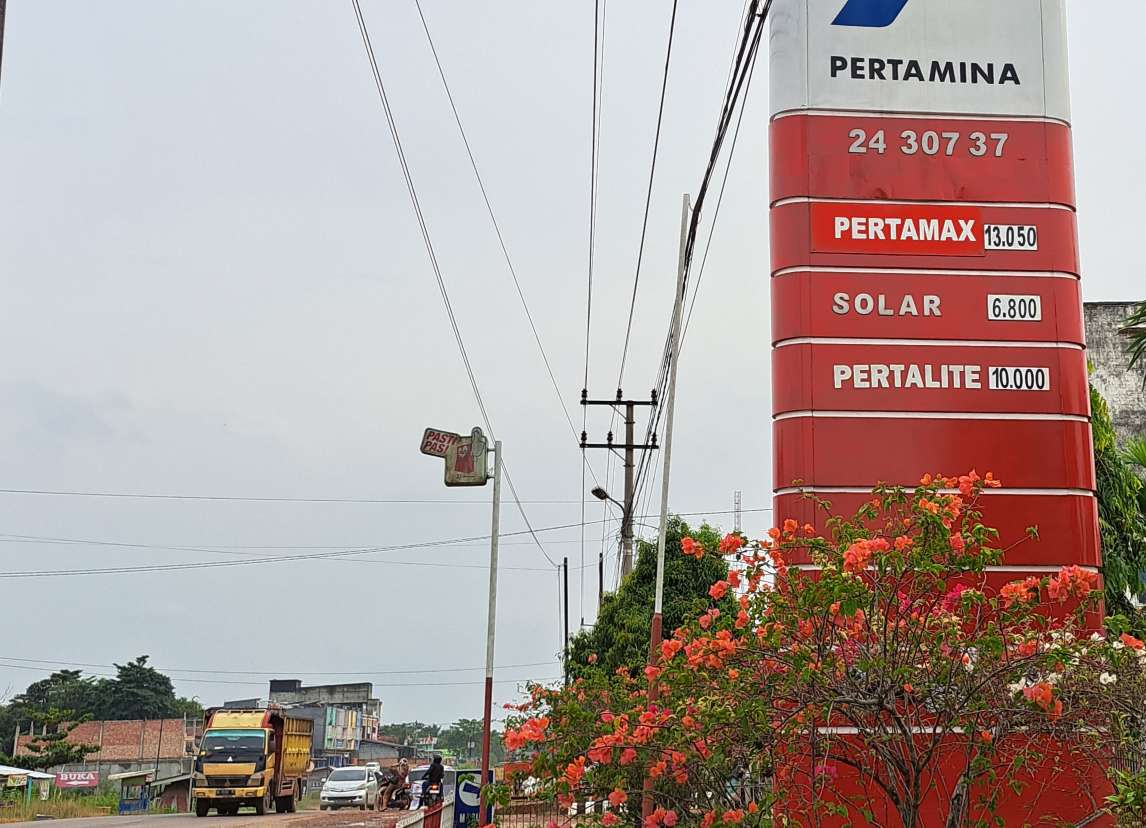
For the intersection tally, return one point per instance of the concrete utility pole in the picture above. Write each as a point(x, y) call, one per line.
point(491, 624)
point(628, 408)
point(670, 404)
point(565, 613)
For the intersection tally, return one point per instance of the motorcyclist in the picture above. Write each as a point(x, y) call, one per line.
point(399, 776)
point(436, 774)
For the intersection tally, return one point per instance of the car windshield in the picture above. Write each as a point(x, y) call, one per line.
point(233, 741)
point(347, 775)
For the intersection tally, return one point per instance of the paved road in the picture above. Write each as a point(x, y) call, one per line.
point(305, 819)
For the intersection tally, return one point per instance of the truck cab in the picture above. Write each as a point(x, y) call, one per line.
point(251, 758)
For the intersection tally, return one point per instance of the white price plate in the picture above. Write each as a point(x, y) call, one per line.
point(1010, 237)
point(1014, 307)
point(1000, 378)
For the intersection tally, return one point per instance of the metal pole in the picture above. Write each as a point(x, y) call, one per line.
point(627, 520)
point(565, 576)
point(670, 402)
point(491, 623)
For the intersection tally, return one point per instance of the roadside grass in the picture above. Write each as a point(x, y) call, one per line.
point(59, 807)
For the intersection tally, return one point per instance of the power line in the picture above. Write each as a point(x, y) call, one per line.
point(648, 196)
point(743, 66)
point(493, 220)
point(280, 673)
point(594, 160)
point(408, 176)
point(261, 683)
point(333, 555)
point(242, 499)
point(255, 558)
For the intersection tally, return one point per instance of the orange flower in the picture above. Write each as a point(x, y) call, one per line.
point(609, 818)
point(669, 819)
point(617, 798)
point(1020, 592)
point(1131, 642)
point(733, 673)
point(628, 755)
point(575, 771)
point(718, 590)
point(1072, 581)
point(691, 548)
point(731, 543)
point(857, 556)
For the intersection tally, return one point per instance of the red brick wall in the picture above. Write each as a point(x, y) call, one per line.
point(120, 740)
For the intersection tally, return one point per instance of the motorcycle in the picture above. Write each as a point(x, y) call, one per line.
point(431, 794)
point(400, 797)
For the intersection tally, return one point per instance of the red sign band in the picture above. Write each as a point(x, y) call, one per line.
point(929, 378)
point(858, 451)
point(1067, 523)
point(923, 236)
point(884, 305)
point(910, 159)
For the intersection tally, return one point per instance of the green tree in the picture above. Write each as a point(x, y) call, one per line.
point(1120, 517)
point(187, 707)
point(463, 737)
point(50, 747)
point(62, 690)
point(138, 692)
point(407, 733)
point(620, 638)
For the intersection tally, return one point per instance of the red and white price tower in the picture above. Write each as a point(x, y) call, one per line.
point(926, 311)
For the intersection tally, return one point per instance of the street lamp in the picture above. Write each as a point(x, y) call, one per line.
point(601, 494)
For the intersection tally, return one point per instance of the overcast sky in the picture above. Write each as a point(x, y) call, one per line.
point(213, 284)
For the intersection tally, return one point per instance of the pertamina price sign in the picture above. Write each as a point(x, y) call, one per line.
point(925, 288)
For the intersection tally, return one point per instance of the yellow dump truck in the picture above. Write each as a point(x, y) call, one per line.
point(254, 758)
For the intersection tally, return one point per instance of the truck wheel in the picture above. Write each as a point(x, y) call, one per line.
point(292, 802)
point(202, 806)
point(264, 804)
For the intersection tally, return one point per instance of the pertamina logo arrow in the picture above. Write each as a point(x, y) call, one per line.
point(871, 14)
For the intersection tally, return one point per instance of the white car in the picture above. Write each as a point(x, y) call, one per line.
point(349, 787)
